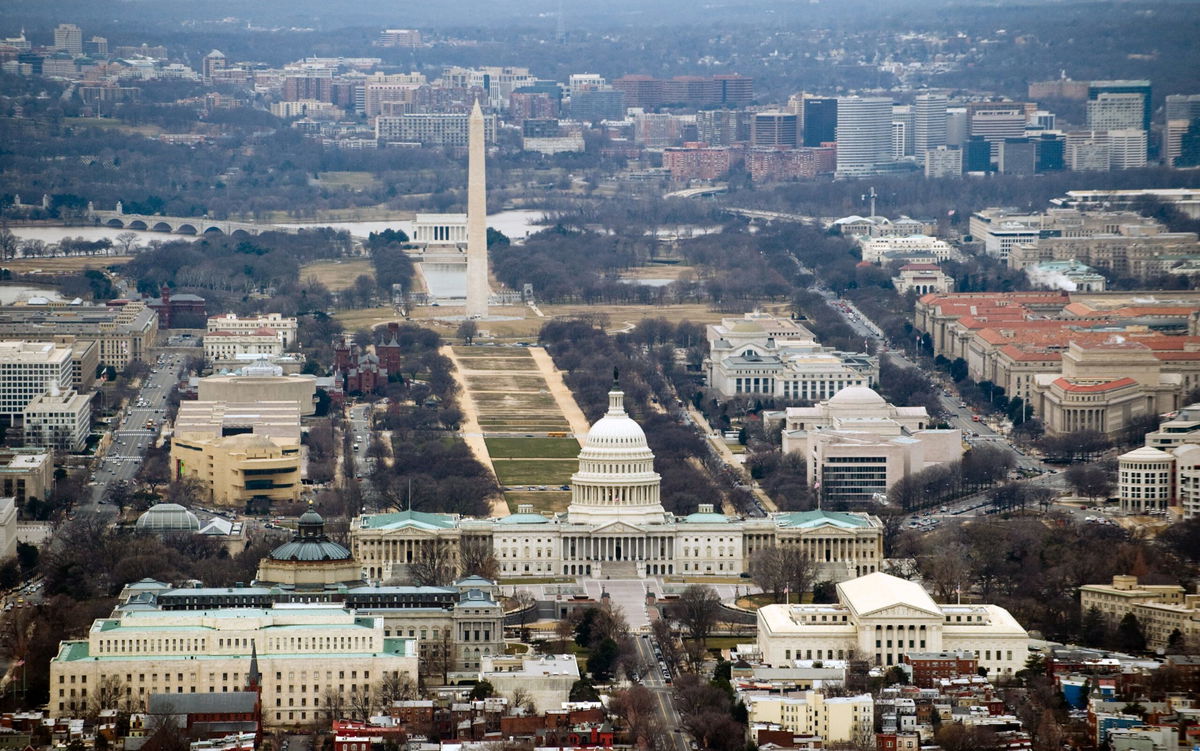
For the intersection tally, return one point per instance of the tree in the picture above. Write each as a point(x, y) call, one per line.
point(523, 603)
point(109, 693)
point(1089, 480)
point(467, 331)
point(583, 690)
point(1093, 628)
point(8, 243)
point(434, 568)
point(1129, 636)
point(777, 570)
point(1175, 641)
point(482, 690)
point(478, 560)
point(393, 687)
point(698, 608)
point(638, 710)
point(126, 241)
point(603, 660)
point(522, 701)
point(660, 632)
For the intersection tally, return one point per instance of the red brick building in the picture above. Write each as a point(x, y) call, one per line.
point(930, 667)
point(698, 161)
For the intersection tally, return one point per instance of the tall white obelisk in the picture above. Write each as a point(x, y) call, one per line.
point(477, 255)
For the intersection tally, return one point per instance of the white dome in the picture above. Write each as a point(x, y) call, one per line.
point(616, 434)
point(857, 396)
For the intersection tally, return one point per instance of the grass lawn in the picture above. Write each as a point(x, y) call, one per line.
point(365, 318)
point(516, 365)
point(549, 472)
point(756, 601)
point(338, 275)
point(543, 501)
point(354, 180)
point(726, 642)
point(509, 353)
point(521, 403)
point(533, 448)
point(56, 266)
point(109, 123)
point(504, 381)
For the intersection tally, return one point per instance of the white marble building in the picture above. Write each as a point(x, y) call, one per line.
point(616, 526)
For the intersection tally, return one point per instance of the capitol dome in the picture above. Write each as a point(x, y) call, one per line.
point(857, 397)
point(168, 517)
point(616, 477)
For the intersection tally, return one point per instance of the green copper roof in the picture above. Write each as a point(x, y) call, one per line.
point(699, 518)
point(817, 518)
point(523, 519)
point(402, 519)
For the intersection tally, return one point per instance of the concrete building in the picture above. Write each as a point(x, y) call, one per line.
point(1179, 428)
point(1071, 275)
point(1159, 608)
point(1166, 471)
point(283, 326)
point(1111, 111)
point(228, 346)
point(25, 473)
point(251, 389)
point(841, 719)
point(1145, 480)
point(29, 369)
point(615, 526)
point(58, 419)
point(820, 120)
point(943, 161)
point(244, 455)
point(922, 278)
point(8, 528)
point(1182, 113)
point(546, 678)
point(881, 618)
point(857, 445)
point(775, 129)
point(296, 653)
point(125, 332)
point(864, 134)
point(69, 38)
point(996, 121)
point(879, 249)
point(762, 354)
point(1127, 149)
point(929, 123)
point(434, 230)
point(433, 129)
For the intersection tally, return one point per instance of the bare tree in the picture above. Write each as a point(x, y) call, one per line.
point(636, 709)
point(478, 560)
point(780, 570)
point(109, 693)
point(522, 701)
point(332, 703)
point(523, 603)
point(698, 609)
point(393, 687)
point(126, 241)
point(660, 631)
point(436, 566)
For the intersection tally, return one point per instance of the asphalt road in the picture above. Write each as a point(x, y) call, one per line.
point(132, 436)
point(662, 691)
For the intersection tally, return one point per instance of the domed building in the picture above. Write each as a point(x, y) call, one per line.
point(165, 518)
point(310, 560)
point(616, 526)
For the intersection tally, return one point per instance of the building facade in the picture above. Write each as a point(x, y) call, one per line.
point(284, 326)
point(616, 526)
point(882, 618)
point(28, 370)
point(58, 420)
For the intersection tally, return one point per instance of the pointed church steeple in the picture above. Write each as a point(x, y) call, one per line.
point(253, 677)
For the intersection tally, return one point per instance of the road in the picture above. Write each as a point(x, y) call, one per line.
point(662, 692)
point(361, 434)
point(132, 437)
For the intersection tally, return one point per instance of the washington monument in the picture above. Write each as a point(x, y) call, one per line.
point(477, 255)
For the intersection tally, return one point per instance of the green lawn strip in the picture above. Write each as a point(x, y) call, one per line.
point(543, 501)
point(548, 472)
point(532, 448)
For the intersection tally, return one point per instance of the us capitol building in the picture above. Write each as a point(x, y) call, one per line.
point(616, 527)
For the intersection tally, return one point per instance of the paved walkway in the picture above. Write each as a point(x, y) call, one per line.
point(470, 431)
point(562, 395)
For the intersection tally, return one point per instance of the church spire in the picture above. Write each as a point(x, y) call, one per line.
point(253, 677)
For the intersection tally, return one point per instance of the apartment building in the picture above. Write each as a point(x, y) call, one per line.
point(29, 369)
point(841, 719)
point(59, 420)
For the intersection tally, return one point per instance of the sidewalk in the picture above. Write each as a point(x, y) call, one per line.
point(470, 432)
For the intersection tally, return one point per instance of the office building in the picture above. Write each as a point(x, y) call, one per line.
point(882, 618)
point(883, 249)
point(1096, 89)
point(1160, 608)
point(125, 333)
point(8, 528)
point(775, 129)
point(58, 419)
point(977, 155)
point(856, 445)
point(773, 164)
point(780, 358)
point(245, 456)
point(1166, 471)
point(615, 526)
point(1107, 111)
point(596, 105)
point(699, 162)
point(578, 82)
point(1017, 156)
point(996, 121)
point(222, 347)
point(1126, 149)
point(28, 370)
point(252, 388)
point(26, 473)
point(943, 161)
point(864, 130)
point(399, 38)
point(283, 326)
point(69, 38)
point(899, 131)
point(293, 655)
point(957, 126)
point(1051, 152)
point(1177, 429)
point(820, 120)
point(929, 123)
point(1182, 114)
point(723, 127)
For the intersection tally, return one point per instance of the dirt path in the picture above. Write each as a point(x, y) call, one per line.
point(562, 395)
point(471, 432)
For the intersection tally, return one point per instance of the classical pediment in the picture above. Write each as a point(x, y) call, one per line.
point(614, 528)
point(902, 612)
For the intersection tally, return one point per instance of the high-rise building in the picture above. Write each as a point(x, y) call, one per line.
point(864, 134)
point(1141, 88)
point(96, 46)
point(957, 126)
point(820, 120)
point(29, 369)
point(736, 90)
point(929, 123)
point(1051, 152)
point(723, 127)
point(578, 82)
point(996, 121)
point(775, 129)
point(1127, 148)
point(594, 105)
point(899, 129)
point(211, 63)
point(69, 38)
point(1182, 114)
point(904, 114)
point(1109, 111)
point(1018, 156)
point(943, 161)
point(399, 38)
point(977, 155)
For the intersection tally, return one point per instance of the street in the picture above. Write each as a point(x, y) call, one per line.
point(653, 679)
point(139, 424)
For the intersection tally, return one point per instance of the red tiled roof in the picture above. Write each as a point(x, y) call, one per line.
point(1086, 388)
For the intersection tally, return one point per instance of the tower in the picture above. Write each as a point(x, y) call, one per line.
point(477, 256)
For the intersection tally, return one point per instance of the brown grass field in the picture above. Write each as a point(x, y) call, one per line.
point(338, 275)
point(69, 265)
